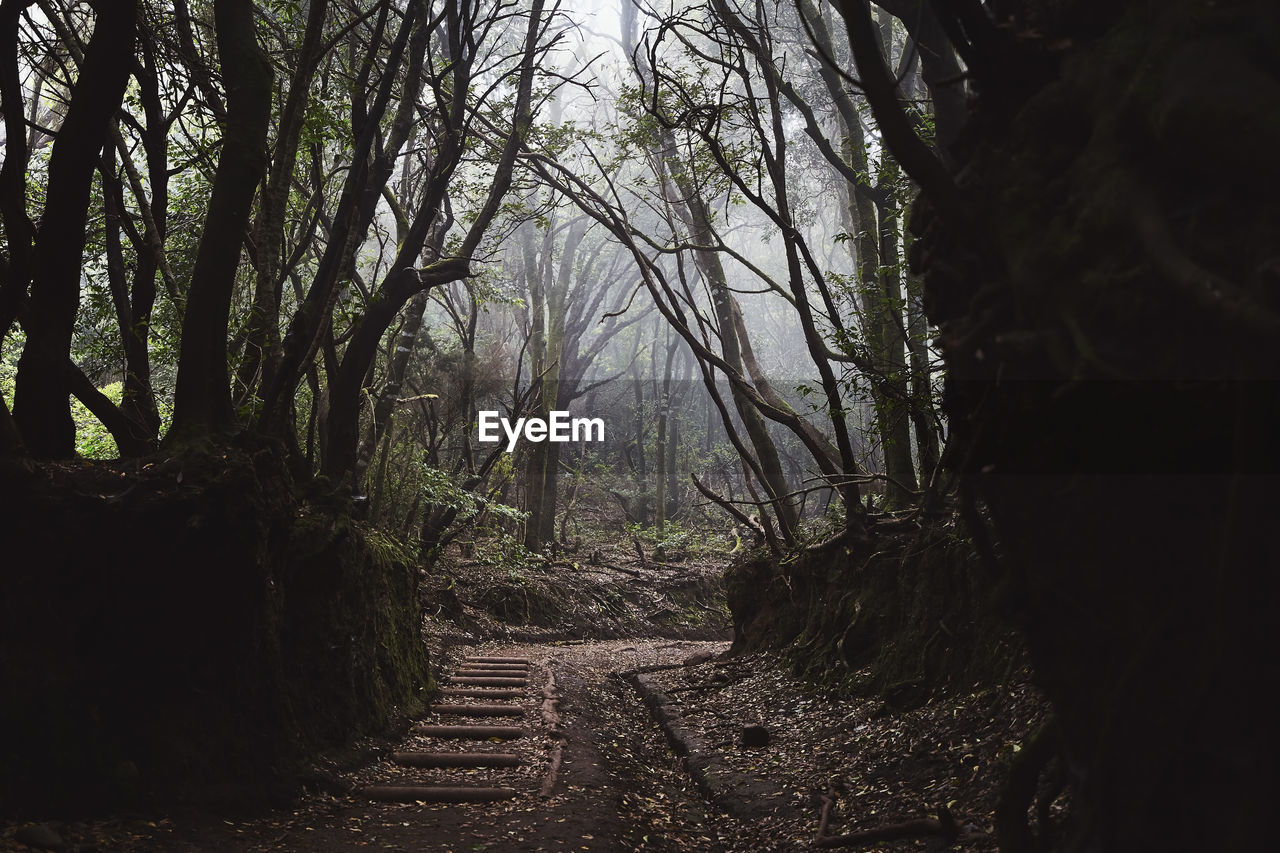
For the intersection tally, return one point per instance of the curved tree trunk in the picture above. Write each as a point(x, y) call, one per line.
point(262, 346)
point(202, 397)
point(42, 408)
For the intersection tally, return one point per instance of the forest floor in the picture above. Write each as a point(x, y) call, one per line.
point(621, 785)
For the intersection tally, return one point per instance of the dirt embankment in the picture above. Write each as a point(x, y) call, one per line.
point(144, 602)
point(604, 593)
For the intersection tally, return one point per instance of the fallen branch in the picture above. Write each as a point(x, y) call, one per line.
point(727, 506)
point(707, 769)
point(434, 794)
point(944, 826)
point(635, 573)
point(551, 718)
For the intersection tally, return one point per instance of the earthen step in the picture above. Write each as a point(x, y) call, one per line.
point(481, 693)
point(470, 732)
point(435, 794)
point(485, 681)
point(456, 759)
point(491, 673)
point(524, 661)
point(480, 710)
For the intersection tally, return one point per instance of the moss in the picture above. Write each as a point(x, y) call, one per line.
point(200, 633)
point(897, 617)
point(351, 624)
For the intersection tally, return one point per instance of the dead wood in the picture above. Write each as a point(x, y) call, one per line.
point(480, 693)
point(551, 718)
point(828, 800)
point(435, 794)
point(479, 710)
point(471, 732)
point(456, 759)
point(521, 661)
point(944, 826)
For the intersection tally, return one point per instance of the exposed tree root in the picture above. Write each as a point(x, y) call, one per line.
point(1019, 792)
point(551, 718)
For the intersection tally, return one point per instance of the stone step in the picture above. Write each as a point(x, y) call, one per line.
point(435, 794)
point(480, 710)
point(456, 759)
point(469, 732)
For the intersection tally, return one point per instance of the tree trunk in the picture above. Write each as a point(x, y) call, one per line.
point(42, 408)
point(202, 396)
point(895, 400)
point(660, 454)
point(384, 408)
point(262, 345)
point(548, 310)
point(640, 461)
point(753, 422)
point(18, 229)
point(922, 408)
point(356, 205)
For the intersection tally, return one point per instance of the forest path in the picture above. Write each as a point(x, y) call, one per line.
point(618, 787)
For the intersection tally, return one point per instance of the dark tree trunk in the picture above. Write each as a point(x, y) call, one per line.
point(262, 346)
point(202, 398)
point(390, 393)
point(42, 407)
point(1112, 395)
point(922, 402)
point(15, 274)
point(895, 401)
point(347, 380)
point(360, 193)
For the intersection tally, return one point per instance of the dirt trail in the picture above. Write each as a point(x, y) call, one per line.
point(618, 788)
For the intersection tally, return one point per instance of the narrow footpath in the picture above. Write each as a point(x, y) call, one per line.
point(552, 747)
point(527, 748)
